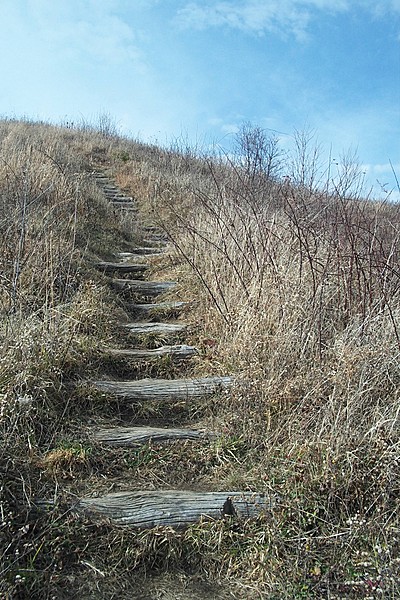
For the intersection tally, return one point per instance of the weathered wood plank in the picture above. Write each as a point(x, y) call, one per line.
point(110, 190)
point(118, 197)
point(156, 238)
point(178, 352)
point(136, 258)
point(107, 187)
point(139, 250)
point(136, 436)
point(144, 327)
point(122, 205)
point(124, 267)
point(144, 288)
point(164, 389)
point(154, 230)
point(157, 244)
point(174, 508)
point(158, 306)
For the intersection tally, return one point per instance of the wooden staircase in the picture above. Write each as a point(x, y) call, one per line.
point(159, 507)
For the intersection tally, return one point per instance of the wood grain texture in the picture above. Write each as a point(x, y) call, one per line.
point(138, 250)
point(143, 288)
point(155, 328)
point(157, 244)
point(136, 436)
point(125, 205)
point(125, 267)
point(164, 389)
point(179, 352)
point(174, 508)
point(157, 307)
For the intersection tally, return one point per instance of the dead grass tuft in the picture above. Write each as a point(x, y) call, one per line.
point(294, 288)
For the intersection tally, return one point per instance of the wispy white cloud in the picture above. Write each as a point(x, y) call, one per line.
point(380, 169)
point(381, 7)
point(253, 16)
point(383, 179)
point(256, 16)
point(89, 31)
point(287, 17)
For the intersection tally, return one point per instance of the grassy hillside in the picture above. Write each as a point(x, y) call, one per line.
point(294, 288)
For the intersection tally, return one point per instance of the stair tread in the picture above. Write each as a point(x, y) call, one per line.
point(177, 351)
point(164, 389)
point(139, 250)
point(174, 508)
point(123, 267)
point(144, 288)
point(134, 436)
point(154, 327)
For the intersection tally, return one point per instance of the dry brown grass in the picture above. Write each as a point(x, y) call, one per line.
point(299, 294)
point(295, 291)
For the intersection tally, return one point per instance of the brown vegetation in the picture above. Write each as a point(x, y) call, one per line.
point(294, 288)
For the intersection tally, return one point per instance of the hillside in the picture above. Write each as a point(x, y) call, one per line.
point(199, 372)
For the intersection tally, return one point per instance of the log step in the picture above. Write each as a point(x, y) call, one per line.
point(144, 288)
point(129, 206)
point(113, 190)
point(154, 230)
point(167, 307)
point(178, 352)
point(138, 250)
point(116, 196)
point(128, 257)
point(110, 267)
point(157, 237)
point(173, 508)
point(158, 244)
point(132, 256)
point(164, 389)
point(136, 436)
point(116, 199)
point(144, 327)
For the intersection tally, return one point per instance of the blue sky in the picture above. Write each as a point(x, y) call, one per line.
point(169, 68)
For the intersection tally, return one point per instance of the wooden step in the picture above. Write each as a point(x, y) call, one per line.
point(110, 187)
point(133, 256)
point(122, 205)
point(178, 352)
point(128, 257)
point(156, 244)
point(125, 201)
point(174, 508)
point(101, 178)
point(136, 436)
point(113, 189)
point(155, 238)
point(113, 192)
point(143, 288)
point(160, 307)
point(139, 250)
point(153, 230)
point(125, 267)
point(145, 327)
point(164, 389)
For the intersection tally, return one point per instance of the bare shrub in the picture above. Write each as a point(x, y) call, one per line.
point(298, 285)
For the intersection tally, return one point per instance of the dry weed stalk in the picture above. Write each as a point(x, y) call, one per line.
point(297, 291)
point(298, 285)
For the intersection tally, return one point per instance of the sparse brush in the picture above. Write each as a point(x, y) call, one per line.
point(299, 290)
point(296, 292)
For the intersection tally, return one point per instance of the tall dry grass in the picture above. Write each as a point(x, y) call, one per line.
point(54, 311)
point(298, 289)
